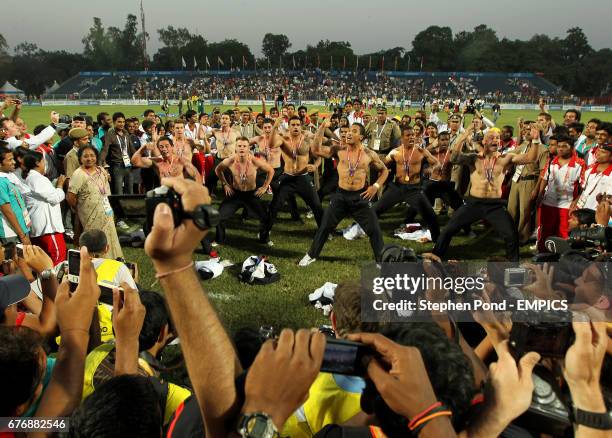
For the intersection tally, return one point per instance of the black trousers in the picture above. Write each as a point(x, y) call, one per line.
point(329, 184)
point(343, 203)
point(494, 211)
point(231, 204)
point(291, 201)
point(414, 196)
point(444, 190)
point(288, 185)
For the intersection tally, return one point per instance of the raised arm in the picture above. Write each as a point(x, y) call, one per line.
point(139, 161)
point(457, 156)
point(263, 105)
point(201, 332)
point(316, 147)
point(532, 154)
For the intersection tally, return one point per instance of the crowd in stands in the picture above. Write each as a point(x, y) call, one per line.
point(87, 349)
point(311, 85)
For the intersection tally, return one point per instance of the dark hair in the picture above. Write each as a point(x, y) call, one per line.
point(575, 111)
point(577, 126)
point(30, 161)
point(562, 138)
point(605, 126)
point(156, 317)
point(167, 125)
point(432, 124)
point(118, 115)
point(101, 116)
point(127, 405)
point(509, 128)
point(290, 105)
point(448, 368)
point(190, 113)
point(584, 216)
point(444, 134)
point(82, 150)
point(78, 118)
point(165, 138)
point(407, 128)
point(147, 123)
point(242, 138)
point(248, 342)
point(596, 121)
point(2, 120)
point(94, 240)
point(20, 369)
point(268, 120)
point(3, 151)
point(302, 107)
point(294, 118)
point(547, 116)
point(38, 129)
point(147, 112)
point(362, 129)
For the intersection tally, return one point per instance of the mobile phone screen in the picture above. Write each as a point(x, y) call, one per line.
point(344, 357)
point(74, 263)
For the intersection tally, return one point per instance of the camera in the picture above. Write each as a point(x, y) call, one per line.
point(205, 216)
point(517, 277)
point(590, 237)
point(548, 333)
point(65, 119)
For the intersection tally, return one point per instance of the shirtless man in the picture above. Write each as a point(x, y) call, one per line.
point(439, 184)
point(242, 190)
point(354, 196)
point(164, 160)
point(295, 149)
point(484, 201)
point(408, 159)
point(225, 139)
point(183, 146)
point(272, 154)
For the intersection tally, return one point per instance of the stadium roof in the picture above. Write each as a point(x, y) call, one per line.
point(9, 88)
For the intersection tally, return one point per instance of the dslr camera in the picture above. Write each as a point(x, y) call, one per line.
point(591, 237)
point(204, 216)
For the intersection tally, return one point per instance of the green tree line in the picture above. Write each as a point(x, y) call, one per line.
point(569, 62)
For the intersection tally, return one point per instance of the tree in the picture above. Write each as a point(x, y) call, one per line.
point(576, 45)
point(98, 46)
point(274, 46)
point(435, 46)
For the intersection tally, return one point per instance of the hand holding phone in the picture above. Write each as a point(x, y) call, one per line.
point(74, 266)
point(346, 357)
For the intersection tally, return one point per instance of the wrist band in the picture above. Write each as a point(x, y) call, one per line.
point(420, 415)
point(423, 421)
point(376, 185)
point(176, 271)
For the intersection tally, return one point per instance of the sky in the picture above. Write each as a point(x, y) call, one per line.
point(368, 25)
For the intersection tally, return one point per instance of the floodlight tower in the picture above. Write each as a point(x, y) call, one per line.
point(145, 58)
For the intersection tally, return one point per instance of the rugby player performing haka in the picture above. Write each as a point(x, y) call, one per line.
point(484, 201)
point(353, 197)
point(242, 190)
point(225, 141)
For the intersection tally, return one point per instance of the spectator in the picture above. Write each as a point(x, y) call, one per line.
point(107, 269)
point(15, 217)
point(43, 202)
point(88, 194)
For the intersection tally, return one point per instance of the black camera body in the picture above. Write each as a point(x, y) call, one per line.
point(205, 216)
point(548, 333)
point(590, 237)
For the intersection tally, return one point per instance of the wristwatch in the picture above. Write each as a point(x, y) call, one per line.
point(47, 274)
point(257, 425)
point(594, 420)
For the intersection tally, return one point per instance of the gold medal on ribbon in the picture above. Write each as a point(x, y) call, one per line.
point(407, 178)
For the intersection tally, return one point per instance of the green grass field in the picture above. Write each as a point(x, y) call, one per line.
point(285, 303)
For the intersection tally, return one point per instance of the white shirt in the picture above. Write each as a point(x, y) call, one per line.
point(34, 141)
point(192, 134)
point(354, 118)
point(43, 202)
point(594, 184)
point(563, 182)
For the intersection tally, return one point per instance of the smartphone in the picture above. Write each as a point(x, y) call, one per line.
point(74, 266)
point(106, 291)
point(345, 357)
point(19, 250)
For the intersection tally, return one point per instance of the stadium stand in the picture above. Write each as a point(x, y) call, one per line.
point(305, 85)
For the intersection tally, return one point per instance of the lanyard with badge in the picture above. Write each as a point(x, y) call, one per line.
point(100, 181)
point(376, 145)
point(24, 210)
point(583, 198)
point(124, 151)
